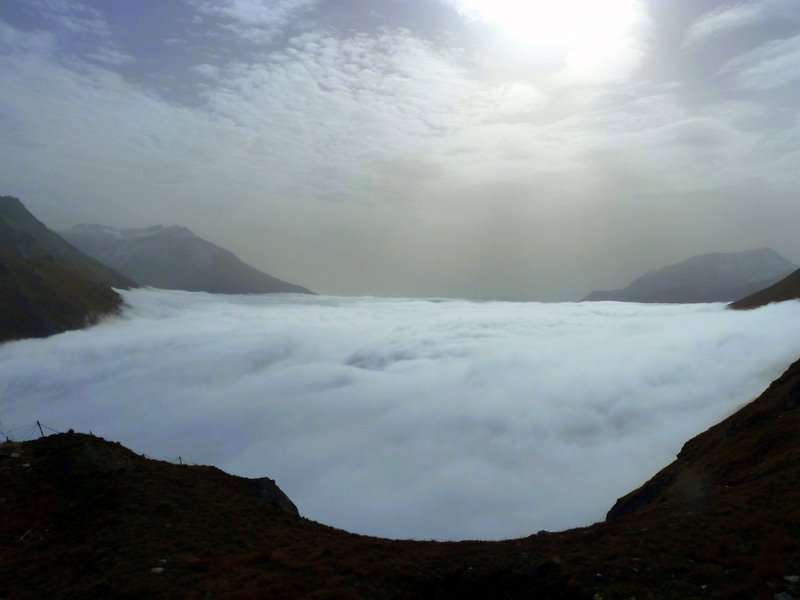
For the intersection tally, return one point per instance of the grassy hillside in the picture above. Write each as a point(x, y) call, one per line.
point(40, 297)
point(83, 517)
point(786, 289)
point(46, 285)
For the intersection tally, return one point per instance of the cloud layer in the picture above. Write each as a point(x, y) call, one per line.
point(407, 418)
point(730, 18)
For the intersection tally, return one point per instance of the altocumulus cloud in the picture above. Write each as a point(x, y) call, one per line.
point(408, 418)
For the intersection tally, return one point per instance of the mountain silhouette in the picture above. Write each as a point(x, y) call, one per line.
point(174, 258)
point(46, 285)
point(787, 288)
point(716, 277)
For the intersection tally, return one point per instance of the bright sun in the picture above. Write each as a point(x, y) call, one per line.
point(592, 36)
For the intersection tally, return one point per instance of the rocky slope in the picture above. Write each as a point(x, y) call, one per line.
point(717, 277)
point(787, 288)
point(174, 258)
point(46, 285)
point(83, 517)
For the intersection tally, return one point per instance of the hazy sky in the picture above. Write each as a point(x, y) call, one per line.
point(480, 148)
point(406, 418)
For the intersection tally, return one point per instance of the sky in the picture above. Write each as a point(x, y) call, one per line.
point(402, 418)
point(461, 148)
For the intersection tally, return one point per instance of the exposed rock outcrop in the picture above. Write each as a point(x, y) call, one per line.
point(268, 490)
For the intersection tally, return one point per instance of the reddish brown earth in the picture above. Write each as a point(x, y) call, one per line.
point(87, 518)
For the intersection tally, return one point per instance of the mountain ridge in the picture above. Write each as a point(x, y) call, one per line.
point(712, 277)
point(174, 257)
point(46, 285)
point(786, 289)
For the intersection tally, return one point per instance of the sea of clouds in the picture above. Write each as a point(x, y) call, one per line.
point(441, 419)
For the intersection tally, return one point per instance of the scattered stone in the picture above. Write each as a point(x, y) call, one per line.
point(157, 570)
point(791, 578)
point(15, 455)
point(783, 596)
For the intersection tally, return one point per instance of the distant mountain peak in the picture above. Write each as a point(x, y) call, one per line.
point(9, 204)
point(754, 254)
point(174, 257)
point(15, 215)
point(131, 233)
point(712, 277)
point(178, 231)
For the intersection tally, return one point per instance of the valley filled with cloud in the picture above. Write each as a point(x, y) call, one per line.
point(443, 419)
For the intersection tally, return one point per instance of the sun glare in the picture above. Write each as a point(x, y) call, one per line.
point(591, 36)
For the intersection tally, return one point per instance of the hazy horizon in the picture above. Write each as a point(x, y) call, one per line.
point(451, 148)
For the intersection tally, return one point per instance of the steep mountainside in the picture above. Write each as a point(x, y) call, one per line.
point(174, 258)
point(743, 451)
point(717, 277)
point(46, 285)
point(787, 288)
point(85, 518)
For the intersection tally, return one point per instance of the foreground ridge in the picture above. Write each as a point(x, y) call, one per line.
point(88, 518)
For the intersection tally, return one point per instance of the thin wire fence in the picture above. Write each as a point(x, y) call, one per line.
point(36, 430)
